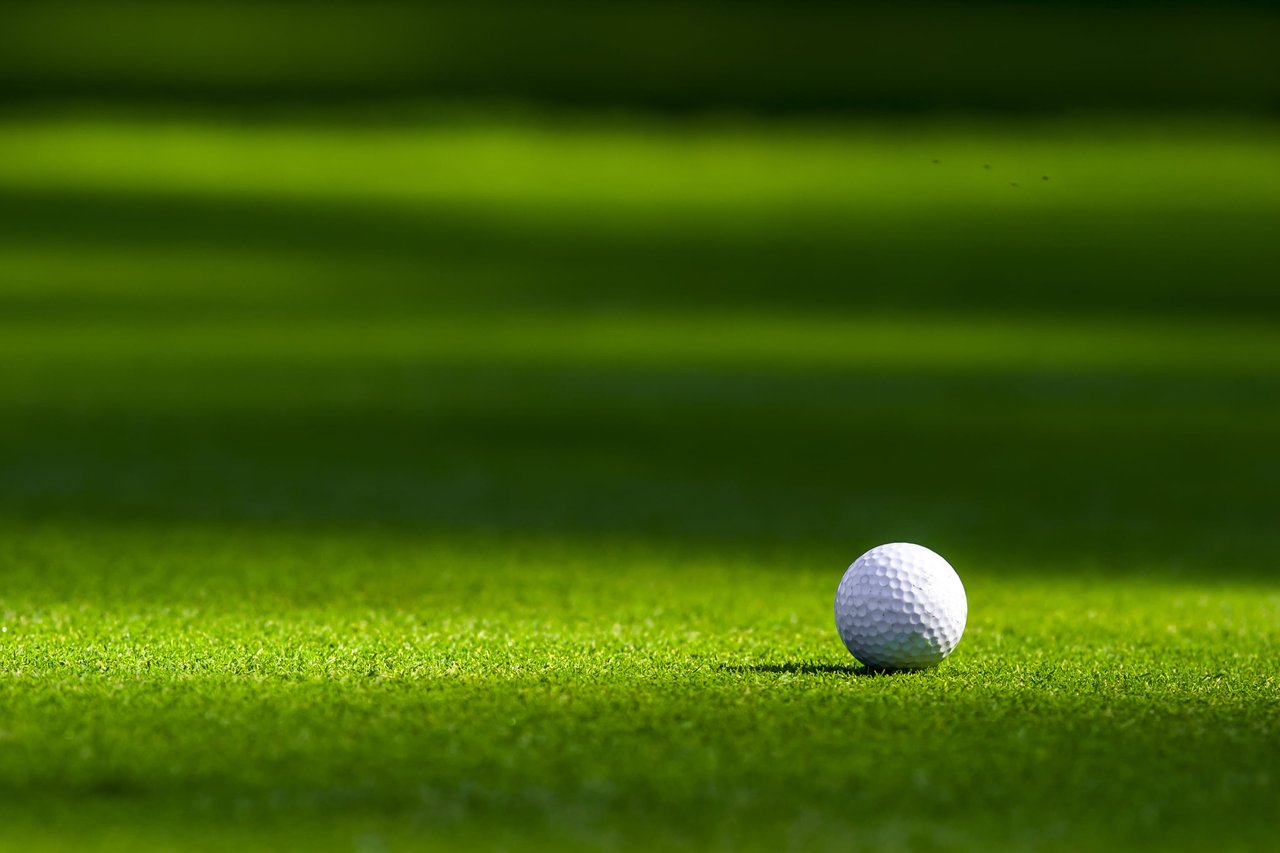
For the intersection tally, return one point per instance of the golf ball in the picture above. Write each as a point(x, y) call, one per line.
point(900, 606)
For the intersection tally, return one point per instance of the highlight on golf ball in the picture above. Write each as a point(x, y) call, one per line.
point(901, 606)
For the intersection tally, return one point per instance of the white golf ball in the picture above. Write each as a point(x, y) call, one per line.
point(900, 606)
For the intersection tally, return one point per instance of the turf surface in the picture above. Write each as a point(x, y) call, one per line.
point(488, 482)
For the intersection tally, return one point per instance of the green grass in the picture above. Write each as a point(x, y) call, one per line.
point(487, 483)
point(805, 54)
point(406, 686)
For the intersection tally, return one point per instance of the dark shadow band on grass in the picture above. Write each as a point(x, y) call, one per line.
point(809, 668)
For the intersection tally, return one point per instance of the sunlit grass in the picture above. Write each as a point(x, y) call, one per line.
point(563, 690)
point(640, 168)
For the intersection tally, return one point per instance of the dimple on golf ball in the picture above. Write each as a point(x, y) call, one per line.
point(901, 606)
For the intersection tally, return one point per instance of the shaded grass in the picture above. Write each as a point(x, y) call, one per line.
point(1106, 466)
point(711, 53)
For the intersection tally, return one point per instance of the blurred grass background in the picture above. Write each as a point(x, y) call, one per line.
point(750, 54)
point(450, 421)
point(543, 324)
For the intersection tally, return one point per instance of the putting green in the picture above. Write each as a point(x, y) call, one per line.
point(488, 483)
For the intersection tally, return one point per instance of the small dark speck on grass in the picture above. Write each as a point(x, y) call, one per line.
point(936, 162)
point(801, 668)
point(1013, 184)
point(986, 165)
point(1044, 177)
